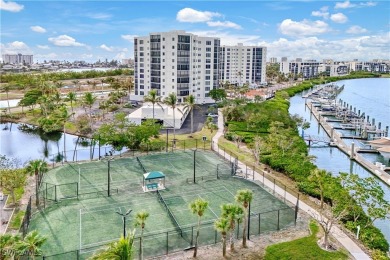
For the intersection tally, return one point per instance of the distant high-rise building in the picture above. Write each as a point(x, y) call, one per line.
point(273, 60)
point(176, 62)
point(243, 64)
point(18, 59)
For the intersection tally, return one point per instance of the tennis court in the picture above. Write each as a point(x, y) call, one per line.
point(88, 218)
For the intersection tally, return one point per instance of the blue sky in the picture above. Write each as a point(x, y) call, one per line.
point(93, 30)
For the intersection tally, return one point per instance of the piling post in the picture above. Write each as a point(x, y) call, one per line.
point(331, 134)
point(352, 150)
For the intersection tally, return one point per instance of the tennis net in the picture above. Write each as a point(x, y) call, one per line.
point(140, 164)
point(170, 214)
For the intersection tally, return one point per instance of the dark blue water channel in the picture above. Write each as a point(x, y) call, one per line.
point(371, 96)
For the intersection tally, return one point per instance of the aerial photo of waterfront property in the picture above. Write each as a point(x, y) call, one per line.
point(195, 130)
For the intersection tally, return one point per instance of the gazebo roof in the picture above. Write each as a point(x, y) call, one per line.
point(154, 175)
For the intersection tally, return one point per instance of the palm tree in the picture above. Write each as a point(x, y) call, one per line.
point(7, 244)
point(171, 101)
point(37, 167)
point(153, 98)
point(231, 212)
point(222, 226)
point(198, 207)
point(140, 219)
point(72, 97)
point(64, 116)
point(244, 197)
point(6, 89)
point(118, 250)
point(76, 83)
point(31, 243)
point(88, 100)
point(190, 104)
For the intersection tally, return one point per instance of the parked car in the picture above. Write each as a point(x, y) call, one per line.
point(212, 115)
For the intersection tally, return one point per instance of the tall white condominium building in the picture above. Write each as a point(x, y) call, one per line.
point(306, 69)
point(17, 59)
point(243, 64)
point(176, 62)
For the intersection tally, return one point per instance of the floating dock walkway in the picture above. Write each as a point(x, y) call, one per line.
point(352, 152)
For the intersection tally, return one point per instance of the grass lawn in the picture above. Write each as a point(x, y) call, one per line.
point(16, 220)
point(303, 248)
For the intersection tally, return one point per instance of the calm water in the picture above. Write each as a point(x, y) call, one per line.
point(29, 145)
point(371, 96)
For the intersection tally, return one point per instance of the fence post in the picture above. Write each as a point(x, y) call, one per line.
point(285, 193)
point(167, 243)
point(196, 143)
point(78, 254)
point(296, 210)
point(259, 222)
point(238, 228)
point(263, 180)
point(253, 173)
point(55, 193)
point(249, 220)
point(192, 235)
point(215, 237)
point(274, 185)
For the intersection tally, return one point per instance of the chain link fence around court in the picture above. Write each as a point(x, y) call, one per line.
point(96, 152)
point(172, 241)
point(176, 240)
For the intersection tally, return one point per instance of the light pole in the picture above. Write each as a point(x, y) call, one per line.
point(124, 220)
point(194, 165)
point(108, 177)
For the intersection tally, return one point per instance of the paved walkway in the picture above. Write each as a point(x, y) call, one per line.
point(336, 232)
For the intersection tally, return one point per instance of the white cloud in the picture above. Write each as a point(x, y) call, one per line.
point(339, 18)
point(43, 47)
point(190, 15)
point(362, 48)
point(14, 48)
point(381, 41)
point(48, 56)
point(368, 4)
point(128, 37)
point(230, 39)
point(356, 30)
point(106, 48)
point(322, 14)
point(99, 16)
point(303, 28)
point(65, 41)
point(226, 24)
point(120, 56)
point(10, 6)
point(344, 5)
point(38, 29)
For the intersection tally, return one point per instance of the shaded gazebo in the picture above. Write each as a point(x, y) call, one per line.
point(153, 181)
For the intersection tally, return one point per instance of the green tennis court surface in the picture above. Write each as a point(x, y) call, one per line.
point(79, 214)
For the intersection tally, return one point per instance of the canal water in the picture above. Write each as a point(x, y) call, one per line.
point(26, 143)
point(371, 96)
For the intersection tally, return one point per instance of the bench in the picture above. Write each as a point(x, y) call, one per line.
point(152, 186)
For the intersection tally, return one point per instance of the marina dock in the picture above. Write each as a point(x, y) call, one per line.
point(337, 140)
